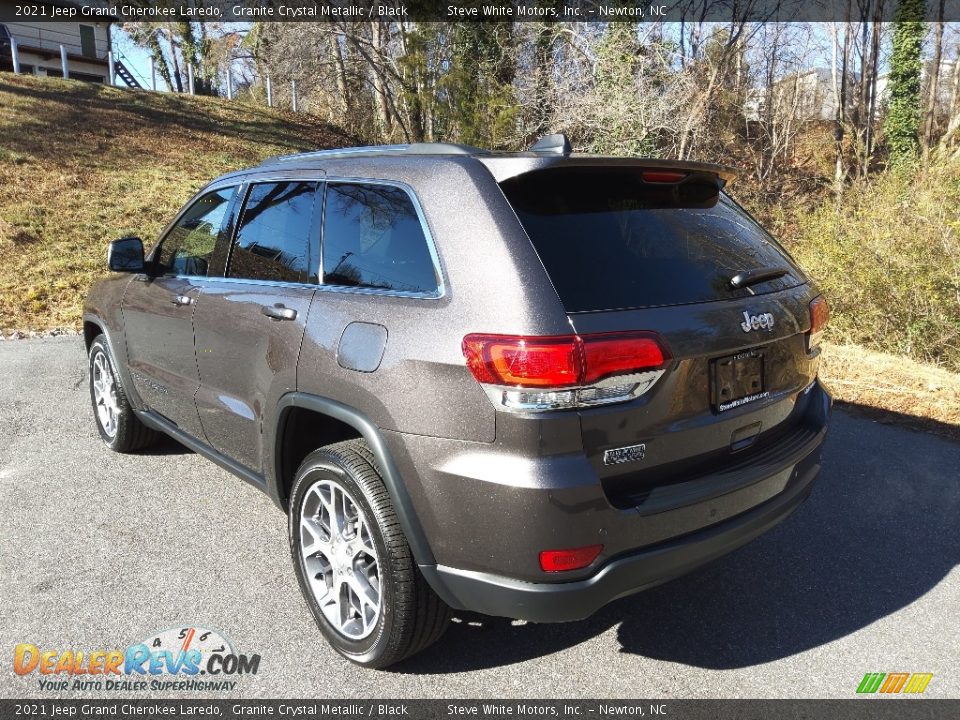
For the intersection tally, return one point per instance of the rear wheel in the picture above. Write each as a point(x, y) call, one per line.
point(117, 423)
point(353, 562)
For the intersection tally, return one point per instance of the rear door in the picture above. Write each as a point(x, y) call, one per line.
point(249, 325)
point(659, 251)
point(158, 309)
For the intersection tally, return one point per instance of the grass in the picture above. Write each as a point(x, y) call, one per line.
point(908, 392)
point(887, 256)
point(82, 164)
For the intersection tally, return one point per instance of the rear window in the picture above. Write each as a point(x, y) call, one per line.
point(610, 241)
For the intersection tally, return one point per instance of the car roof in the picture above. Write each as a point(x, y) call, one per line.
point(551, 151)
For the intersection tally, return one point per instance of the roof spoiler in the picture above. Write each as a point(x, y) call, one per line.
point(556, 144)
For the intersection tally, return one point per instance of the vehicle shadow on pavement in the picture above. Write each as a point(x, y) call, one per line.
point(879, 531)
point(165, 445)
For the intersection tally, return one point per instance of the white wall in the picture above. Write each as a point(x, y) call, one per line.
point(50, 35)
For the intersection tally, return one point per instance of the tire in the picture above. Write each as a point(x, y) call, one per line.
point(409, 616)
point(116, 421)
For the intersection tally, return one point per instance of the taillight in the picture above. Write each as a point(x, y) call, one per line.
point(662, 176)
point(819, 315)
point(573, 559)
point(544, 373)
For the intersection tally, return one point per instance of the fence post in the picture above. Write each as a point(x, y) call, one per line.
point(63, 62)
point(153, 74)
point(269, 93)
point(190, 77)
point(293, 94)
point(16, 56)
point(111, 70)
point(229, 84)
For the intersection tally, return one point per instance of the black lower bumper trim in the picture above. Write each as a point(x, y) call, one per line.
point(558, 602)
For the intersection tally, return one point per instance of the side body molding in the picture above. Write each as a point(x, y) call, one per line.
point(402, 503)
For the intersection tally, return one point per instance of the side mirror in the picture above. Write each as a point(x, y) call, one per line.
point(126, 255)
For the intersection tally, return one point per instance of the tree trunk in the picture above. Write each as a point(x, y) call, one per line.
point(839, 92)
point(340, 70)
point(176, 62)
point(381, 105)
point(933, 83)
point(953, 124)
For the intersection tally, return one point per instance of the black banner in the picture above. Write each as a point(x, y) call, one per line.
point(874, 708)
point(465, 10)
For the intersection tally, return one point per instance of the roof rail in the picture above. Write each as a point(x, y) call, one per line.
point(380, 150)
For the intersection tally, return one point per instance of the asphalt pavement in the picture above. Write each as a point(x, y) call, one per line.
point(101, 550)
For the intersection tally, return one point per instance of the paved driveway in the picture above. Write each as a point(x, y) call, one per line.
point(100, 550)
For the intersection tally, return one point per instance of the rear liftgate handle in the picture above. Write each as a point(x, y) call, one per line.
point(279, 312)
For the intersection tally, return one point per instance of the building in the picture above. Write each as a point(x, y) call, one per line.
point(87, 44)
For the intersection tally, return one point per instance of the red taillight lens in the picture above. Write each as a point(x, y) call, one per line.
point(819, 315)
point(521, 361)
point(662, 176)
point(573, 559)
point(561, 361)
point(619, 354)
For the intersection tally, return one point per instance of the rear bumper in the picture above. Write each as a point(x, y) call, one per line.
point(558, 602)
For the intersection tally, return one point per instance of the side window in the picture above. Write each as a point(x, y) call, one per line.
point(372, 238)
point(189, 247)
point(277, 233)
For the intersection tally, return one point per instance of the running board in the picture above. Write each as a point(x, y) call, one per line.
point(155, 421)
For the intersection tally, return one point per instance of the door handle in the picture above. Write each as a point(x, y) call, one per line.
point(279, 312)
point(182, 300)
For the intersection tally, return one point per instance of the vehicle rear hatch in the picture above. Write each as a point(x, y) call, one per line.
point(654, 247)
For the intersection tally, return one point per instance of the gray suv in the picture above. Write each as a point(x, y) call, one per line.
point(520, 384)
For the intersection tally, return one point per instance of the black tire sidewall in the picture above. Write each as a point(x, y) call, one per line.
point(369, 649)
point(99, 346)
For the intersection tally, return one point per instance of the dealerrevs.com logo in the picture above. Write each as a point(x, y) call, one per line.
point(185, 658)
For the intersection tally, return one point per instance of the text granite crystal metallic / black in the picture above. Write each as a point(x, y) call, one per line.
point(523, 384)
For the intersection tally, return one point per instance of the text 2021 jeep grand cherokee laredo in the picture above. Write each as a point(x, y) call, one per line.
point(520, 384)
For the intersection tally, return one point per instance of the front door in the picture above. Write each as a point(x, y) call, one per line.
point(250, 324)
point(158, 310)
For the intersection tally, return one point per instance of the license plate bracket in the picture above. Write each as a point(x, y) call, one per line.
point(738, 380)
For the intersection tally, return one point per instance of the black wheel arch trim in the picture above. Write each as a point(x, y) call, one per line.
point(118, 360)
point(402, 503)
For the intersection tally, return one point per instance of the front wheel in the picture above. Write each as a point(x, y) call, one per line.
point(117, 423)
point(353, 562)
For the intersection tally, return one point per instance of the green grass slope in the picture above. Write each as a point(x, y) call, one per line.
point(82, 164)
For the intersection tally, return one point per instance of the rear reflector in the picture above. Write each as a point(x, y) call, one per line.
point(574, 559)
point(662, 176)
point(819, 315)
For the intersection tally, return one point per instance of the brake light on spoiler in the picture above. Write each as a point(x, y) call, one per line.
point(525, 373)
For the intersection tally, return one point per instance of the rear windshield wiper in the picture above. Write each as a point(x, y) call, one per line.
point(752, 277)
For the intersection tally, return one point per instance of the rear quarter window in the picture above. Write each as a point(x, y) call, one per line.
point(610, 241)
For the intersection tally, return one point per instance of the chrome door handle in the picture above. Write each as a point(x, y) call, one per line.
point(279, 312)
point(182, 300)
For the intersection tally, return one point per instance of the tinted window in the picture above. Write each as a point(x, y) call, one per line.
point(373, 238)
point(610, 241)
point(276, 233)
point(189, 247)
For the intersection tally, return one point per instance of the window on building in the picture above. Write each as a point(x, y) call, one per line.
point(88, 41)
